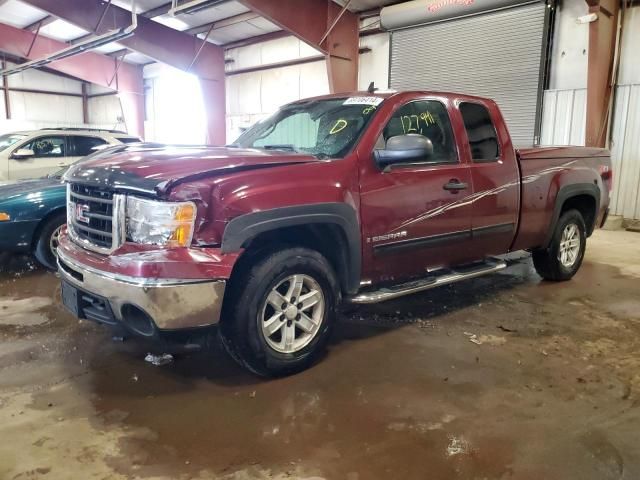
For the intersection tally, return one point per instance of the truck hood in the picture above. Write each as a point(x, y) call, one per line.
point(156, 170)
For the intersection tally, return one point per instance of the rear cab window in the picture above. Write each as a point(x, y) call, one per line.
point(481, 132)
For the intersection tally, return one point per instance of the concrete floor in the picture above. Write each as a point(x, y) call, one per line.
point(551, 392)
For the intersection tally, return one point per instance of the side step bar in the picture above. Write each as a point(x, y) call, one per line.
point(445, 278)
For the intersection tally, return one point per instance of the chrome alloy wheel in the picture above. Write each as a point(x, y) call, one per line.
point(292, 313)
point(54, 240)
point(569, 245)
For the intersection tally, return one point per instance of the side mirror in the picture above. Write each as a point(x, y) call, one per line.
point(22, 153)
point(403, 149)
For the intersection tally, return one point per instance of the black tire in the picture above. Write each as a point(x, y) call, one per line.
point(546, 261)
point(42, 248)
point(246, 303)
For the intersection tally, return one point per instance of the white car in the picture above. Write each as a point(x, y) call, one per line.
point(38, 153)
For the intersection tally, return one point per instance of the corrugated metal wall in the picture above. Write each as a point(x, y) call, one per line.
point(625, 134)
point(564, 111)
point(625, 152)
point(495, 54)
point(563, 117)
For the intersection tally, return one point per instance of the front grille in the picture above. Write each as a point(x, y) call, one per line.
point(93, 216)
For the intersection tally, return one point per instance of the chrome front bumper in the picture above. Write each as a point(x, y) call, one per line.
point(169, 304)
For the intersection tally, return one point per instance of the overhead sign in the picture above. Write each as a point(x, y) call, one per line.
point(418, 12)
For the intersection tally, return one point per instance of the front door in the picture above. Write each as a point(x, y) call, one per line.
point(48, 156)
point(414, 215)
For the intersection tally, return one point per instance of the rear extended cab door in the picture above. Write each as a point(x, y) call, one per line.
point(495, 177)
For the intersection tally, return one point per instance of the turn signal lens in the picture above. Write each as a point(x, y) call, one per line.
point(4, 217)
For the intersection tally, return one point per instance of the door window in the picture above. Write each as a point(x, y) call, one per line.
point(483, 139)
point(46, 147)
point(80, 146)
point(428, 118)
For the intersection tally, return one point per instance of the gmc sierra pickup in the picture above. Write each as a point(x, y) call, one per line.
point(355, 198)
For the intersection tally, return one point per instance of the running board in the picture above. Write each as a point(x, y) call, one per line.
point(445, 277)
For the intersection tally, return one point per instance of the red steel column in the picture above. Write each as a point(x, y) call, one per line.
point(213, 94)
point(602, 43)
point(310, 22)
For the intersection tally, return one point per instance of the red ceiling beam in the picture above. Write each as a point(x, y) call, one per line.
point(602, 44)
point(88, 66)
point(151, 38)
point(157, 41)
point(311, 24)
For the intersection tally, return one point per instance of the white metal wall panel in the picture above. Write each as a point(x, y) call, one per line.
point(496, 55)
point(253, 96)
point(625, 134)
point(104, 110)
point(564, 117)
point(38, 107)
point(625, 152)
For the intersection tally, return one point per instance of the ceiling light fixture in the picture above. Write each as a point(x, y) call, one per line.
point(193, 6)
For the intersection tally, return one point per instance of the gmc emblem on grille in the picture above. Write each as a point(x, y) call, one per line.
point(80, 213)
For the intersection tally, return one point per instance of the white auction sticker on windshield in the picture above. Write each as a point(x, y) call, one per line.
point(375, 101)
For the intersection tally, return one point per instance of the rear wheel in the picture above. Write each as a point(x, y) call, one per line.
point(47, 241)
point(280, 312)
point(564, 256)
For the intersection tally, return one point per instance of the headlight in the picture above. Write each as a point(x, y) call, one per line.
point(160, 223)
point(4, 217)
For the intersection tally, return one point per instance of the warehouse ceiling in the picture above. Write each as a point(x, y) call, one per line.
point(232, 22)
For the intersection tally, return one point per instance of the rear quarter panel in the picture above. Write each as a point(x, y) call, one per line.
point(545, 171)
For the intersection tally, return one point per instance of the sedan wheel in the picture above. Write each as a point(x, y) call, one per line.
point(54, 241)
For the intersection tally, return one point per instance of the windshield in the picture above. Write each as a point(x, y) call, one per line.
point(9, 139)
point(323, 128)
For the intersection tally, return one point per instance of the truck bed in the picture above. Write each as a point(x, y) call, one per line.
point(544, 172)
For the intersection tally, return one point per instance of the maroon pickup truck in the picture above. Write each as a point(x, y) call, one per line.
point(355, 198)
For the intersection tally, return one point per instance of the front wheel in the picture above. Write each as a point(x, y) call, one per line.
point(281, 312)
point(564, 256)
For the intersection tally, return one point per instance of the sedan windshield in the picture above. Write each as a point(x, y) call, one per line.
point(9, 139)
point(323, 128)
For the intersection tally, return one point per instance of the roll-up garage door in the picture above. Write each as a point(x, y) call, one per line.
point(495, 54)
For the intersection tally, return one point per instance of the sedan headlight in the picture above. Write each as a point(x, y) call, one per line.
point(160, 223)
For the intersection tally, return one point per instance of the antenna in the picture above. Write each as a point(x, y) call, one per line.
point(372, 88)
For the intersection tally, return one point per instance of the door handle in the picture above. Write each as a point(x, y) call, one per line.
point(454, 185)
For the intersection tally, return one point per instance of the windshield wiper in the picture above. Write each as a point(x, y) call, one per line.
point(284, 146)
